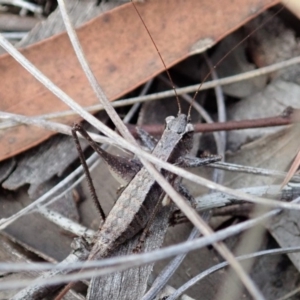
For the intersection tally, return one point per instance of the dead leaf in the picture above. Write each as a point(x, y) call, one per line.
point(292, 170)
point(236, 63)
point(273, 151)
point(113, 50)
point(272, 101)
point(274, 42)
point(293, 6)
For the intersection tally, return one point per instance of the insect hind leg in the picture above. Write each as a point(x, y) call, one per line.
point(78, 128)
point(194, 162)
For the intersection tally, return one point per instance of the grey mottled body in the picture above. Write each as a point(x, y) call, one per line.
point(132, 209)
point(138, 200)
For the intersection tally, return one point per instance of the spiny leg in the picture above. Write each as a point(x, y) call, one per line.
point(77, 128)
point(190, 162)
point(177, 214)
point(124, 169)
point(194, 162)
point(147, 140)
point(183, 191)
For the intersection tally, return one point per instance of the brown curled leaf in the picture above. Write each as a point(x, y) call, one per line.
point(119, 52)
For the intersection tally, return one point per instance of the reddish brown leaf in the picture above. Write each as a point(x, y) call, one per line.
point(294, 167)
point(120, 53)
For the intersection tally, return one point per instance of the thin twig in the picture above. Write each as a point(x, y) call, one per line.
point(201, 181)
point(91, 77)
point(202, 112)
point(52, 126)
point(66, 223)
point(218, 175)
point(37, 9)
point(222, 265)
point(44, 199)
point(191, 214)
point(164, 276)
point(281, 120)
point(121, 263)
point(251, 170)
point(180, 91)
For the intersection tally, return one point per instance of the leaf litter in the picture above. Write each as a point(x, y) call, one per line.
point(270, 150)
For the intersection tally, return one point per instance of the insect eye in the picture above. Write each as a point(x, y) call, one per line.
point(169, 119)
point(189, 127)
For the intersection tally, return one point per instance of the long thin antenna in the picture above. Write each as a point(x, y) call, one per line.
point(157, 50)
point(229, 52)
